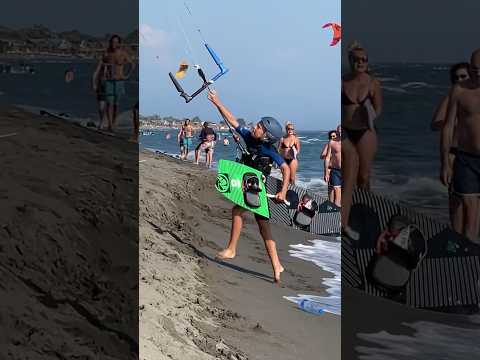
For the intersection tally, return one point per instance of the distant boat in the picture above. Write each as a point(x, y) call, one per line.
point(147, 133)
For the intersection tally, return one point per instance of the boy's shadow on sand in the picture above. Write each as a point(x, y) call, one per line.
point(213, 259)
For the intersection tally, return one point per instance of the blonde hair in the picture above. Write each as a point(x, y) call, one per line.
point(287, 124)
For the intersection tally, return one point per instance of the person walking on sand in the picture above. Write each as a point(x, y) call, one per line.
point(136, 123)
point(184, 138)
point(458, 73)
point(208, 137)
point(259, 140)
point(188, 136)
point(362, 103)
point(98, 85)
point(180, 137)
point(333, 168)
point(289, 148)
point(111, 68)
point(464, 175)
point(349, 178)
point(323, 156)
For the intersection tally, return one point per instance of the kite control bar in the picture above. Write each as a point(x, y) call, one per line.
point(271, 196)
point(206, 83)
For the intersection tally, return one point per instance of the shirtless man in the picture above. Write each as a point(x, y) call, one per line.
point(333, 166)
point(464, 105)
point(111, 69)
point(458, 73)
point(188, 136)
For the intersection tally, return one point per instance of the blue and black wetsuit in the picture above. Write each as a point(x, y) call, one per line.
point(259, 150)
point(262, 155)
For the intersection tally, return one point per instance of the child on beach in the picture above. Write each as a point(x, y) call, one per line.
point(261, 140)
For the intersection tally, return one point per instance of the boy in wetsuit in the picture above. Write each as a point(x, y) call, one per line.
point(262, 137)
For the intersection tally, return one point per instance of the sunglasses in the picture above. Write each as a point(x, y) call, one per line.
point(290, 129)
point(461, 77)
point(362, 59)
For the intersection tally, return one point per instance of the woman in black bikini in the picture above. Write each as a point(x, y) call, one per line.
point(361, 103)
point(289, 148)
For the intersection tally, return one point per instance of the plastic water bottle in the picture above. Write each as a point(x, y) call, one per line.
point(311, 307)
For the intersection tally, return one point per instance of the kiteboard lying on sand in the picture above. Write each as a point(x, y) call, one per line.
point(315, 214)
point(445, 276)
point(305, 211)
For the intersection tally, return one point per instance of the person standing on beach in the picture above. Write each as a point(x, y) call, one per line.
point(349, 178)
point(464, 175)
point(188, 136)
point(208, 137)
point(184, 138)
point(289, 148)
point(111, 68)
point(260, 141)
point(98, 85)
point(136, 123)
point(323, 156)
point(362, 102)
point(333, 168)
point(458, 73)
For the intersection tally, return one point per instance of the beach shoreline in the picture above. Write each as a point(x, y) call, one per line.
point(229, 310)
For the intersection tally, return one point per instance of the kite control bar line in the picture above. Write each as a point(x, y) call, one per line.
point(206, 83)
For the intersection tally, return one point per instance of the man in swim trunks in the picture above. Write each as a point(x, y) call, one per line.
point(458, 73)
point(464, 175)
point(111, 69)
point(262, 137)
point(332, 168)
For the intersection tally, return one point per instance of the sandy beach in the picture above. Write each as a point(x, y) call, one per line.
point(193, 307)
point(68, 241)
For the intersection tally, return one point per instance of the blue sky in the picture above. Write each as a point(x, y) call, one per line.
point(279, 58)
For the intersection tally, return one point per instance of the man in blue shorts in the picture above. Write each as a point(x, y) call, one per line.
point(260, 142)
point(333, 168)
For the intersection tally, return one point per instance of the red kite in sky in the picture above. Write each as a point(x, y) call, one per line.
point(337, 32)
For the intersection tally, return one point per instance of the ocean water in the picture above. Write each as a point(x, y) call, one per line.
point(426, 340)
point(310, 171)
point(325, 254)
point(407, 165)
point(48, 89)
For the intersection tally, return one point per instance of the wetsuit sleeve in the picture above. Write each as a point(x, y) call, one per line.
point(273, 154)
point(244, 133)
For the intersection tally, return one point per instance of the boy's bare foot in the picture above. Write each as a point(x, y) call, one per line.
point(226, 254)
point(276, 275)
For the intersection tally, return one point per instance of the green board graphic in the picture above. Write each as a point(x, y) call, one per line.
point(231, 180)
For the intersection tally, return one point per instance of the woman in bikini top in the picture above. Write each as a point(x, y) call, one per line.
point(289, 147)
point(359, 88)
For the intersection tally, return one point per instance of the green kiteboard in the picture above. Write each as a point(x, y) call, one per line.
point(243, 186)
